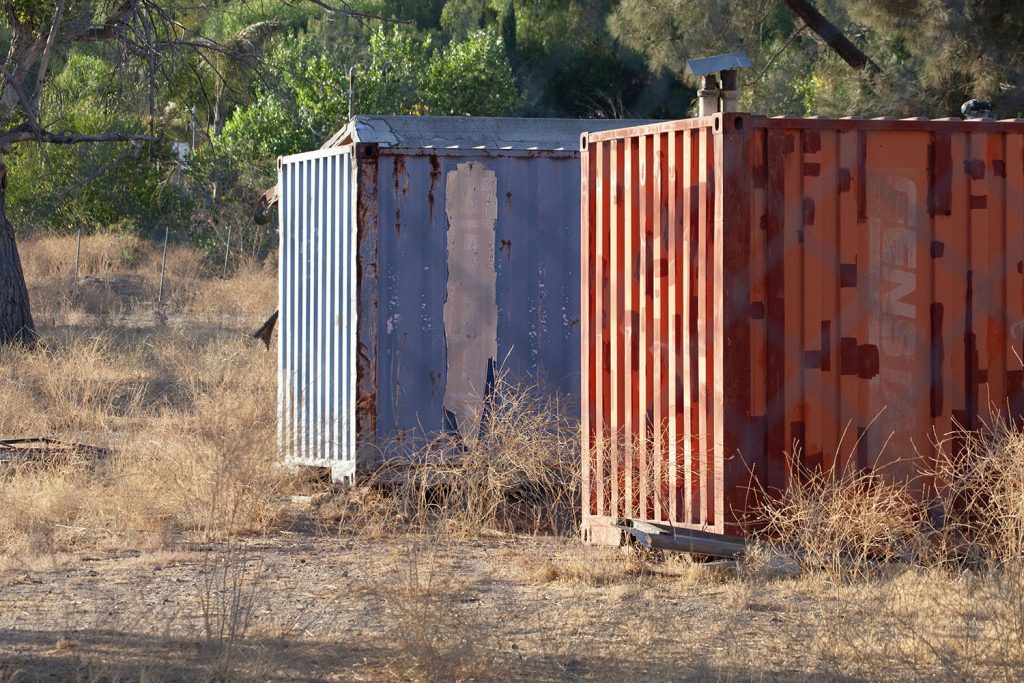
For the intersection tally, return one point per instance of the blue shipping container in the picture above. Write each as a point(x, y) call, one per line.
point(415, 254)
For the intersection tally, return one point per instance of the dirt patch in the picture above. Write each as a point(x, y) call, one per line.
point(325, 609)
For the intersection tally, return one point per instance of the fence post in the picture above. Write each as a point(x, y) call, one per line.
point(78, 253)
point(227, 248)
point(163, 267)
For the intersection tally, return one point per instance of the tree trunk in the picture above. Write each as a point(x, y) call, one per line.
point(16, 324)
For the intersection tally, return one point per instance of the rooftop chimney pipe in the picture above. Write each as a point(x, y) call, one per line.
point(708, 96)
point(720, 83)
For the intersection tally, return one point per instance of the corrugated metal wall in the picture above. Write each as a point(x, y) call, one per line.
point(649, 293)
point(890, 256)
point(478, 258)
point(842, 289)
point(316, 383)
point(408, 274)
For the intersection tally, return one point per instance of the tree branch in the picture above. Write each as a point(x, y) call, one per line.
point(832, 36)
point(775, 56)
point(67, 138)
point(108, 29)
point(346, 10)
point(44, 62)
point(22, 134)
point(30, 116)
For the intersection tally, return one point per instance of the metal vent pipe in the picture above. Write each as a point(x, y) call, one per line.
point(720, 88)
point(708, 96)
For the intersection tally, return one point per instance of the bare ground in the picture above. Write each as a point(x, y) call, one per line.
point(392, 608)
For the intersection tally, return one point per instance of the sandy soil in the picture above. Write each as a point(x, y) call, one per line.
point(324, 608)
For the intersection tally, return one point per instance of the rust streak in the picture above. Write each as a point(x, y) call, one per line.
point(435, 178)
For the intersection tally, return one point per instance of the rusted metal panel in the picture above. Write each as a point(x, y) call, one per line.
point(838, 293)
point(479, 266)
point(368, 298)
point(461, 252)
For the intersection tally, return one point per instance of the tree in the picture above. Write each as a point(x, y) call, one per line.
point(869, 58)
point(93, 186)
point(669, 32)
point(39, 34)
point(400, 73)
point(160, 44)
point(471, 77)
point(935, 54)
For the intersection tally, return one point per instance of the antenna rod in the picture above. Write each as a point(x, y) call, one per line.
point(351, 92)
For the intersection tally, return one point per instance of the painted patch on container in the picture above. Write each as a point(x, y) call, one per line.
point(470, 309)
point(892, 348)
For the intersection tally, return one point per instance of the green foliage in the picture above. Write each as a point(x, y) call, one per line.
point(278, 82)
point(63, 187)
point(471, 77)
point(573, 65)
point(667, 34)
point(257, 133)
point(296, 112)
point(402, 75)
point(405, 74)
point(35, 13)
point(425, 14)
point(389, 80)
point(460, 18)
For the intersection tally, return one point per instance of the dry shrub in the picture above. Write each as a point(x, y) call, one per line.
point(518, 474)
point(638, 463)
point(972, 516)
point(842, 524)
point(191, 425)
point(229, 595)
point(435, 632)
point(207, 473)
point(893, 594)
point(248, 297)
point(962, 615)
point(979, 484)
point(583, 566)
point(119, 277)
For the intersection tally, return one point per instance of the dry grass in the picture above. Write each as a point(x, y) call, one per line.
point(434, 630)
point(201, 460)
point(245, 298)
point(520, 474)
point(187, 411)
point(896, 593)
point(119, 281)
point(880, 593)
point(582, 566)
point(842, 525)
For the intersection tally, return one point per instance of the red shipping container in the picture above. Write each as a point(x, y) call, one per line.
point(844, 291)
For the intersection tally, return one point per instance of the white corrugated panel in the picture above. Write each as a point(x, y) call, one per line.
point(316, 351)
